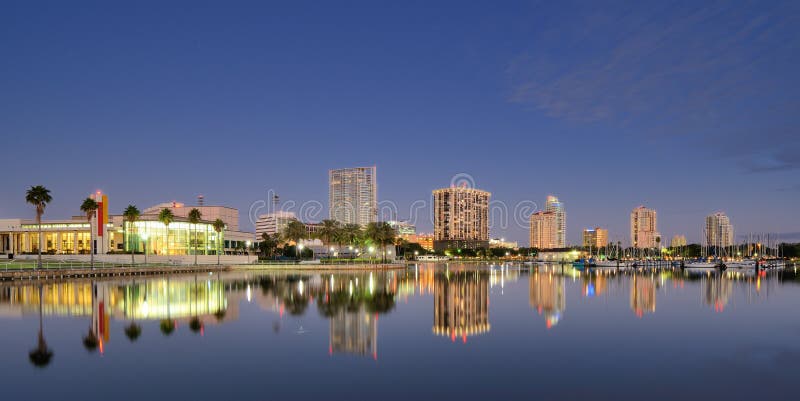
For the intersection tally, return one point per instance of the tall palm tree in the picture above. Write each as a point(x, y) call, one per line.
point(382, 234)
point(194, 217)
point(166, 217)
point(350, 233)
point(294, 231)
point(218, 225)
point(41, 355)
point(39, 197)
point(131, 215)
point(327, 231)
point(89, 207)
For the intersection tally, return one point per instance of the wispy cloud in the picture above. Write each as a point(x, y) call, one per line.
point(717, 75)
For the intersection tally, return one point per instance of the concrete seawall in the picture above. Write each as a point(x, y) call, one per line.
point(58, 274)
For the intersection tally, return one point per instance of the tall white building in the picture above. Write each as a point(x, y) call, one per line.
point(719, 231)
point(553, 205)
point(644, 228)
point(272, 223)
point(353, 195)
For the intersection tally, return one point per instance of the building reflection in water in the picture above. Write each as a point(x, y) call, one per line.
point(546, 295)
point(643, 295)
point(717, 292)
point(461, 304)
point(354, 333)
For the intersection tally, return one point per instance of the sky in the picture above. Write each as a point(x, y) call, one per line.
point(687, 107)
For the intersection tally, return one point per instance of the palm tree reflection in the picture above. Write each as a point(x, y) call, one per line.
point(41, 355)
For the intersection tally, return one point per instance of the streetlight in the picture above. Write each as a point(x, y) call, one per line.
point(299, 251)
point(145, 236)
point(247, 250)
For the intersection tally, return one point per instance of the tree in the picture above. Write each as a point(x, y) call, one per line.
point(39, 197)
point(131, 215)
point(328, 231)
point(350, 234)
point(218, 225)
point(166, 217)
point(294, 232)
point(268, 245)
point(194, 217)
point(382, 234)
point(89, 207)
point(658, 246)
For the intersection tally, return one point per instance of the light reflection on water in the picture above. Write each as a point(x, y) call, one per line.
point(501, 317)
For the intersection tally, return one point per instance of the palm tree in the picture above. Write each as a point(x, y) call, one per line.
point(294, 231)
point(41, 355)
point(382, 234)
point(350, 233)
point(131, 215)
point(194, 217)
point(89, 207)
point(39, 197)
point(218, 225)
point(328, 230)
point(658, 247)
point(166, 217)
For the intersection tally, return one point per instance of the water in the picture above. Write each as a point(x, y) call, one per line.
point(433, 332)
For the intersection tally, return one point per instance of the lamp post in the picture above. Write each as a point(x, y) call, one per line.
point(247, 250)
point(144, 245)
point(299, 251)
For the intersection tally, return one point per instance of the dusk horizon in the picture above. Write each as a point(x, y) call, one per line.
point(298, 200)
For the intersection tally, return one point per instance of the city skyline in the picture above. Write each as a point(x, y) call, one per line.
point(411, 98)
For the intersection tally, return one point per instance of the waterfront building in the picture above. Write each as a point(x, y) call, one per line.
point(273, 223)
point(543, 230)
point(595, 237)
point(353, 196)
point(548, 226)
point(402, 228)
point(644, 228)
point(111, 233)
point(678, 241)
point(461, 304)
point(502, 243)
point(719, 231)
point(424, 240)
point(553, 205)
point(461, 218)
point(229, 215)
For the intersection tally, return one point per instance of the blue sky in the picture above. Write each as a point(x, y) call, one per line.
point(686, 107)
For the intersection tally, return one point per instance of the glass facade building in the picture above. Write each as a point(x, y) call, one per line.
point(179, 238)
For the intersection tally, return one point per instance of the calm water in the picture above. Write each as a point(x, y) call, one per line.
point(432, 332)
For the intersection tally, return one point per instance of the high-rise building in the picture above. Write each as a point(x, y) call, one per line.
point(273, 223)
point(719, 231)
point(644, 228)
point(353, 195)
point(595, 237)
point(461, 218)
point(548, 228)
point(678, 241)
point(553, 205)
point(543, 230)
